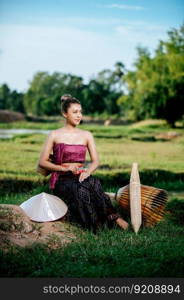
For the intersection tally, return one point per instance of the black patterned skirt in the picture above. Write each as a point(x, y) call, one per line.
point(87, 203)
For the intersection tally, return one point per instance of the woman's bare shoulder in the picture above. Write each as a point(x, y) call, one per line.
point(57, 132)
point(61, 129)
point(85, 133)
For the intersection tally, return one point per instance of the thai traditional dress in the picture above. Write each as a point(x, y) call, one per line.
point(87, 203)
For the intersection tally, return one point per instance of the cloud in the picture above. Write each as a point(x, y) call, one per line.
point(29, 49)
point(141, 31)
point(124, 7)
point(71, 49)
point(141, 34)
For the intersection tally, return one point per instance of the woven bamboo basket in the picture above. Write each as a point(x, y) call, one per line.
point(153, 202)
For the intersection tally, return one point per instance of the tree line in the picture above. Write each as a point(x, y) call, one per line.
point(154, 89)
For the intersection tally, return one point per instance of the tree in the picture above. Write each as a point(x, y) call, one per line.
point(93, 97)
point(43, 95)
point(15, 102)
point(111, 80)
point(11, 100)
point(156, 87)
point(4, 96)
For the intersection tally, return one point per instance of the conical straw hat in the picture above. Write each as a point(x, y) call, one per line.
point(44, 207)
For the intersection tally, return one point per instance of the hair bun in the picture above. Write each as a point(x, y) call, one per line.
point(66, 101)
point(66, 97)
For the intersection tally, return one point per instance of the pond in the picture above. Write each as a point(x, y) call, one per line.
point(9, 133)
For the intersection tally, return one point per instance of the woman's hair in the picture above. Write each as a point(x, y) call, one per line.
point(66, 101)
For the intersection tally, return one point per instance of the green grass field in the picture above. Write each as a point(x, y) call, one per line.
point(154, 252)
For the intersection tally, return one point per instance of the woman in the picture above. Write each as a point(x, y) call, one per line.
point(87, 204)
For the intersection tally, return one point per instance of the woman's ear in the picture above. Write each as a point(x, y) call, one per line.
point(64, 115)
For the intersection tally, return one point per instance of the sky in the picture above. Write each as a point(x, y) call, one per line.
point(81, 37)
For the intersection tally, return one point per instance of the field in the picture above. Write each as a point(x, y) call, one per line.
point(154, 252)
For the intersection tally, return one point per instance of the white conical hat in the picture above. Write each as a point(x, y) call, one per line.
point(44, 207)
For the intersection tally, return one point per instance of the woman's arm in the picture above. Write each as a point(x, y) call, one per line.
point(44, 156)
point(94, 158)
point(93, 153)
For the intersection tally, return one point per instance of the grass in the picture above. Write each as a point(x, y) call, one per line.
point(154, 252)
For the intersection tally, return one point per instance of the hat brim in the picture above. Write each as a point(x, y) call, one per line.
point(44, 207)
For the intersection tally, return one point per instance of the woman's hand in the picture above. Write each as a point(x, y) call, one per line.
point(73, 169)
point(84, 175)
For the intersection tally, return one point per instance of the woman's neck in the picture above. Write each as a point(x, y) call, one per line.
point(70, 127)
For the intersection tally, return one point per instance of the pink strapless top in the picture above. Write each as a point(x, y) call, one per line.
point(63, 153)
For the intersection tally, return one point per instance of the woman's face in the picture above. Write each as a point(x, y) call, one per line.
point(74, 114)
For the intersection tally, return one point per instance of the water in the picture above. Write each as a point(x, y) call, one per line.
point(9, 133)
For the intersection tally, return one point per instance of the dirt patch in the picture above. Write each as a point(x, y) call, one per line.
point(170, 135)
point(7, 116)
point(16, 229)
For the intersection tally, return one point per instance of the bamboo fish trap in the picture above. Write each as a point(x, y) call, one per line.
point(153, 202)
point(145, 204)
